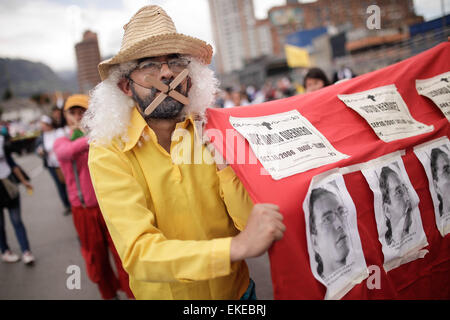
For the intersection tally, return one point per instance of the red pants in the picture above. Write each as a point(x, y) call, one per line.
point(95, 240)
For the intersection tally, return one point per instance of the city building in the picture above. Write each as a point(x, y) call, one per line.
point(235, 33)
point(88, 58)
point(250, 50)
point(293, 17)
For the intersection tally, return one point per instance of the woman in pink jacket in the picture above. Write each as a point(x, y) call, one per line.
point(72, 153)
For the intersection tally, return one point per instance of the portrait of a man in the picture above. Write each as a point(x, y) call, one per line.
point(328, 233)
point(397, 205)
point(435, 158)
point(440, 171)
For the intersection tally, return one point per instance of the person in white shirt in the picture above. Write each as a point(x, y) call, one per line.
point(45, 150)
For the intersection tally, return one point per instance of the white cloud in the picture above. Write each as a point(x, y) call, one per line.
point(47, 30)
point(29, 33)
point(431, 9)
point(263, 6)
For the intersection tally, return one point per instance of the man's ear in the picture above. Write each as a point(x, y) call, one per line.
point(124, 85)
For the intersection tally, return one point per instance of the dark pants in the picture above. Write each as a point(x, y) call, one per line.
point(250, 293)
point(61, 187)
point(19, 228)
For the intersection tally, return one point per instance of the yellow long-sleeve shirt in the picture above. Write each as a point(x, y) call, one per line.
point(171, 223)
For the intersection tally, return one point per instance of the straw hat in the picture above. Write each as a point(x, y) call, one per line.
point(76, 100)
point(151, 33)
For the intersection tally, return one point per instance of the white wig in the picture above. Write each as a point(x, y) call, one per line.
point(109, 112)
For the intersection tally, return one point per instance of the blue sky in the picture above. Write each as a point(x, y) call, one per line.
point(46, 30)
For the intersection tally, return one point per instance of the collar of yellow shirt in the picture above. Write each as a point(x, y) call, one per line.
point(138, 124)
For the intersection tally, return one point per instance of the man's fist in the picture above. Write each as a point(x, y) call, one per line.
point(264, 226)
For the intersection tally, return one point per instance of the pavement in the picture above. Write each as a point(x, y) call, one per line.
point(53, 241)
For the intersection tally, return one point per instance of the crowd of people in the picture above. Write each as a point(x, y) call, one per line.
point(63, 148)
point(174, 231)
point(314, 79)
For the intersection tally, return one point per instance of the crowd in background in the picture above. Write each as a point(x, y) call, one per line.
point(58, 132)
point(284, 87)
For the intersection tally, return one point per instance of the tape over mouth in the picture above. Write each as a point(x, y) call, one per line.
point(165, 90)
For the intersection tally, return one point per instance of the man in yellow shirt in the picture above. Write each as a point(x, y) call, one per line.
point(181, 224)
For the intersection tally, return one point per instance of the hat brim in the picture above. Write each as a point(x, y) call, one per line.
point(158, 46)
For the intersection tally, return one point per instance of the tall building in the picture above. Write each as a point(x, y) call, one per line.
point(88, 58)
point(295, 16)
point(235, 35)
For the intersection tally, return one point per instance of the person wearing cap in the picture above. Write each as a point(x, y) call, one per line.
point(72, 152)
point(182, 228)
point(45, 149)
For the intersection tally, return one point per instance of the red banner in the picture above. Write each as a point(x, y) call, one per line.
point(350, 134)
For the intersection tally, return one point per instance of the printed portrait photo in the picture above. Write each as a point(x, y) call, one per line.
point(435, 158)
point(440, 171)
point(396, 209)
point(334, 246)
point(328, 231)
point(397, 205)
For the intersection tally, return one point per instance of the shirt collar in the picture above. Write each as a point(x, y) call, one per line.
point(138, 125)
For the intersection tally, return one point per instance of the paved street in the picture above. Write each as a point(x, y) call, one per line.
point(54, 243)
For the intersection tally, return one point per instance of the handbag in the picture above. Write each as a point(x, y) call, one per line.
point(12, 190)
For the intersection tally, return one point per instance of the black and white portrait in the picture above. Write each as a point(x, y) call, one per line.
point(334, 245)
point(328, 231)
point(397, 205)
point(396, 209)
point(440, 171)
point(435, 158)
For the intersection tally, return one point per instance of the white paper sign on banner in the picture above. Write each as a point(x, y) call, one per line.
point(438, 90)
point(286, 143)
point(435, 158)
point(334, 247)
point(385, 111)
point(397, 214)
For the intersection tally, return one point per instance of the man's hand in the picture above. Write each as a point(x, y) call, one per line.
point(28, 186)
point(264, 226)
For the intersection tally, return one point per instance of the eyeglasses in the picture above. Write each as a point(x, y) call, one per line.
point(330, 216)
point(154, 67)
point(446, 169)
point(399, 191)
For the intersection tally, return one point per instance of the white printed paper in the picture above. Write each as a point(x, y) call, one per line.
point(397, 214)
point(435, 158)
point(334, 246)
point(385, 111)
point(438, 90)
point(286, 143)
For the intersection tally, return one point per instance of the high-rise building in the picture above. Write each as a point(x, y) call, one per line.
point(88, 58)
point(296, 16)
point(235, 33)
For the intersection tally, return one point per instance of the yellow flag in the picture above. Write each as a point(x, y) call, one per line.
point(296, 56)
